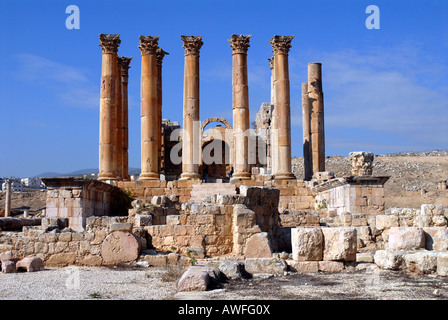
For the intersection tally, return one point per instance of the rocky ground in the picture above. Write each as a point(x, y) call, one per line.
point(140, 283)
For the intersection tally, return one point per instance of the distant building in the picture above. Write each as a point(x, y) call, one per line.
point(34, 183)
point(16, 186)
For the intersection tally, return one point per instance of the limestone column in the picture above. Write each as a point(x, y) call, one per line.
point(160, 54)
point(273, 126)
point(123, 63)
point(119, 124)
point(191, 140)
point(149, 113)
point(108, 108)
point(306, 118)
point(316, 103)
point(281, 46)
point(240, 98)
point(8, 198)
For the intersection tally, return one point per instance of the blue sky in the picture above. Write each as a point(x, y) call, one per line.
point(385, 90)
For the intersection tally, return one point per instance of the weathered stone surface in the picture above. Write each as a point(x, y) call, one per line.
point(307, 244)
point(232, 269)
point(303, 266)
point(12, 255)
point(61, 259)
point(339, 244)
point(386, 222)
point(265, 265)
point(364, 257)
point(258, 246)
point(361, 163)
point(442, 264)
point(436, 238)
point(198, 278)
point(30, 264)
point(119, 247)
point(126, 227)
point(8, 266)
point(406, 238)
point(331, 266)
point(389, 260)
point(421, 262)
point(143, 220)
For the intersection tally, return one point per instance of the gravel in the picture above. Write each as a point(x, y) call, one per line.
point(100, 283)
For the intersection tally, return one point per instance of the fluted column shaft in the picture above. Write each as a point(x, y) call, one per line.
point(191, 142)
point(108, 107)
point(149, 113)
point(306, 119)
point(123, 63)
point(281, 46)
point(240, 99)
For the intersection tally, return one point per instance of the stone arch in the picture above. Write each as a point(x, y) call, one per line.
point(210, 120)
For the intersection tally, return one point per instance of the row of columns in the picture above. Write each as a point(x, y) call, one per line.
point(114, 108)
point(113, 149)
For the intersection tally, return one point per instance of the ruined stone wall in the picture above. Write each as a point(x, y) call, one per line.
point(219, 226)
point(350, 195)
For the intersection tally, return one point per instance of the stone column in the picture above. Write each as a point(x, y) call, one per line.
point(149, 113)
point(316, 102)
point(123, 63)
point(160, 54)
point(306, 118)
point(108, 107)
point(273, 126)
point(240, 99)
point(191, 139)
point(8, 198)
point(119, 124)
point(442, 184)
point(281, 46)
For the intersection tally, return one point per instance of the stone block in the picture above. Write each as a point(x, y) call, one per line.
point(303, 266)
point(331, 266)
point(340, 244)
point(232, 269)
point(422, 262)
point(61, 259)
point(126, 227)
point(389, 260)
point(442, 264)
point(265, 265)
point(259, 245)
point(8, 266)
point(436, 238)
point(383, 222)
point(157, 260)
point(307, 244)
point(12, 255)
point(30, 264)
point(143, 220)
point(406, 238)
point(198, 278)
point(364, 257)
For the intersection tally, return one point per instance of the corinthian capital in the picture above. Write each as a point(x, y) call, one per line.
point(281, 44)
point(123, 63)
point(160, 54)
point(192, 44)
point(148, 44)
point(109, 42)
point(239, 43)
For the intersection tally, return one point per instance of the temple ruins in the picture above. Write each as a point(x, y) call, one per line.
point(227, 193)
